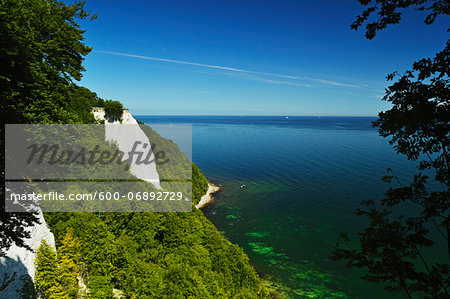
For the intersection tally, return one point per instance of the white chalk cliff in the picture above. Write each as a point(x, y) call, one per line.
point(126, 133)
point(19, 263)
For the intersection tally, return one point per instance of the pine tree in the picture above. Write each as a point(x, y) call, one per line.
point(56, 292)
point(46, 278)
point(67, 263)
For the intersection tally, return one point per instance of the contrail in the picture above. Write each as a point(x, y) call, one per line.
point(238, 70)
point(336, 83)
point(200, 64)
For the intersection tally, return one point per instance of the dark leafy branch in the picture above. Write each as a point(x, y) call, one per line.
point(381, 13)
point(411, 219)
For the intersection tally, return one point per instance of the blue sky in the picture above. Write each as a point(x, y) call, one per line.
point(247, 57)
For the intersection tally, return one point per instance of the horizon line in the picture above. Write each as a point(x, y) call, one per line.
point(251, 115)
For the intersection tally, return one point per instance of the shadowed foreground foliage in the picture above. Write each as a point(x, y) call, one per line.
point(406, 245)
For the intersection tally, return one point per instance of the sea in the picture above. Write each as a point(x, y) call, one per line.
point(290, 186)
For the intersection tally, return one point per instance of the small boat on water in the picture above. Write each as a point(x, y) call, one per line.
point(242, 186)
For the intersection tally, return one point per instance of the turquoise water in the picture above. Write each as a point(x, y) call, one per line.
point(304, 177)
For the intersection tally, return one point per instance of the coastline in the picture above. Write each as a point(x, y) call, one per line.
point(207, 198)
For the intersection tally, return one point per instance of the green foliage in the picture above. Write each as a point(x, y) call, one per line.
point(46, 277)
point(67, 263)
point(82, 100)
point(41, 54)
point(113, 110)
point(147, 255)
point(179, 165)
point(410, 250)
point(100, 288)
point(56, 292)
point(57, 277)
point(162, 255)
point(199, 184)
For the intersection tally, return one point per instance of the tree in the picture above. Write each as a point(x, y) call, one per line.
point(57, 276)
point(46, 277)
point(67, 263)
point(100, 287)
point(113, 110)
point(82, 100)
point(41, 53)
point(393, 249)
point(389, 12)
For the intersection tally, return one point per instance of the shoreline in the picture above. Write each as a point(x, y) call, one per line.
point(207, 198)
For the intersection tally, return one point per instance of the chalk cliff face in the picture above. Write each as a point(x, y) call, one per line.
point(128, 135)
point(19, 265)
